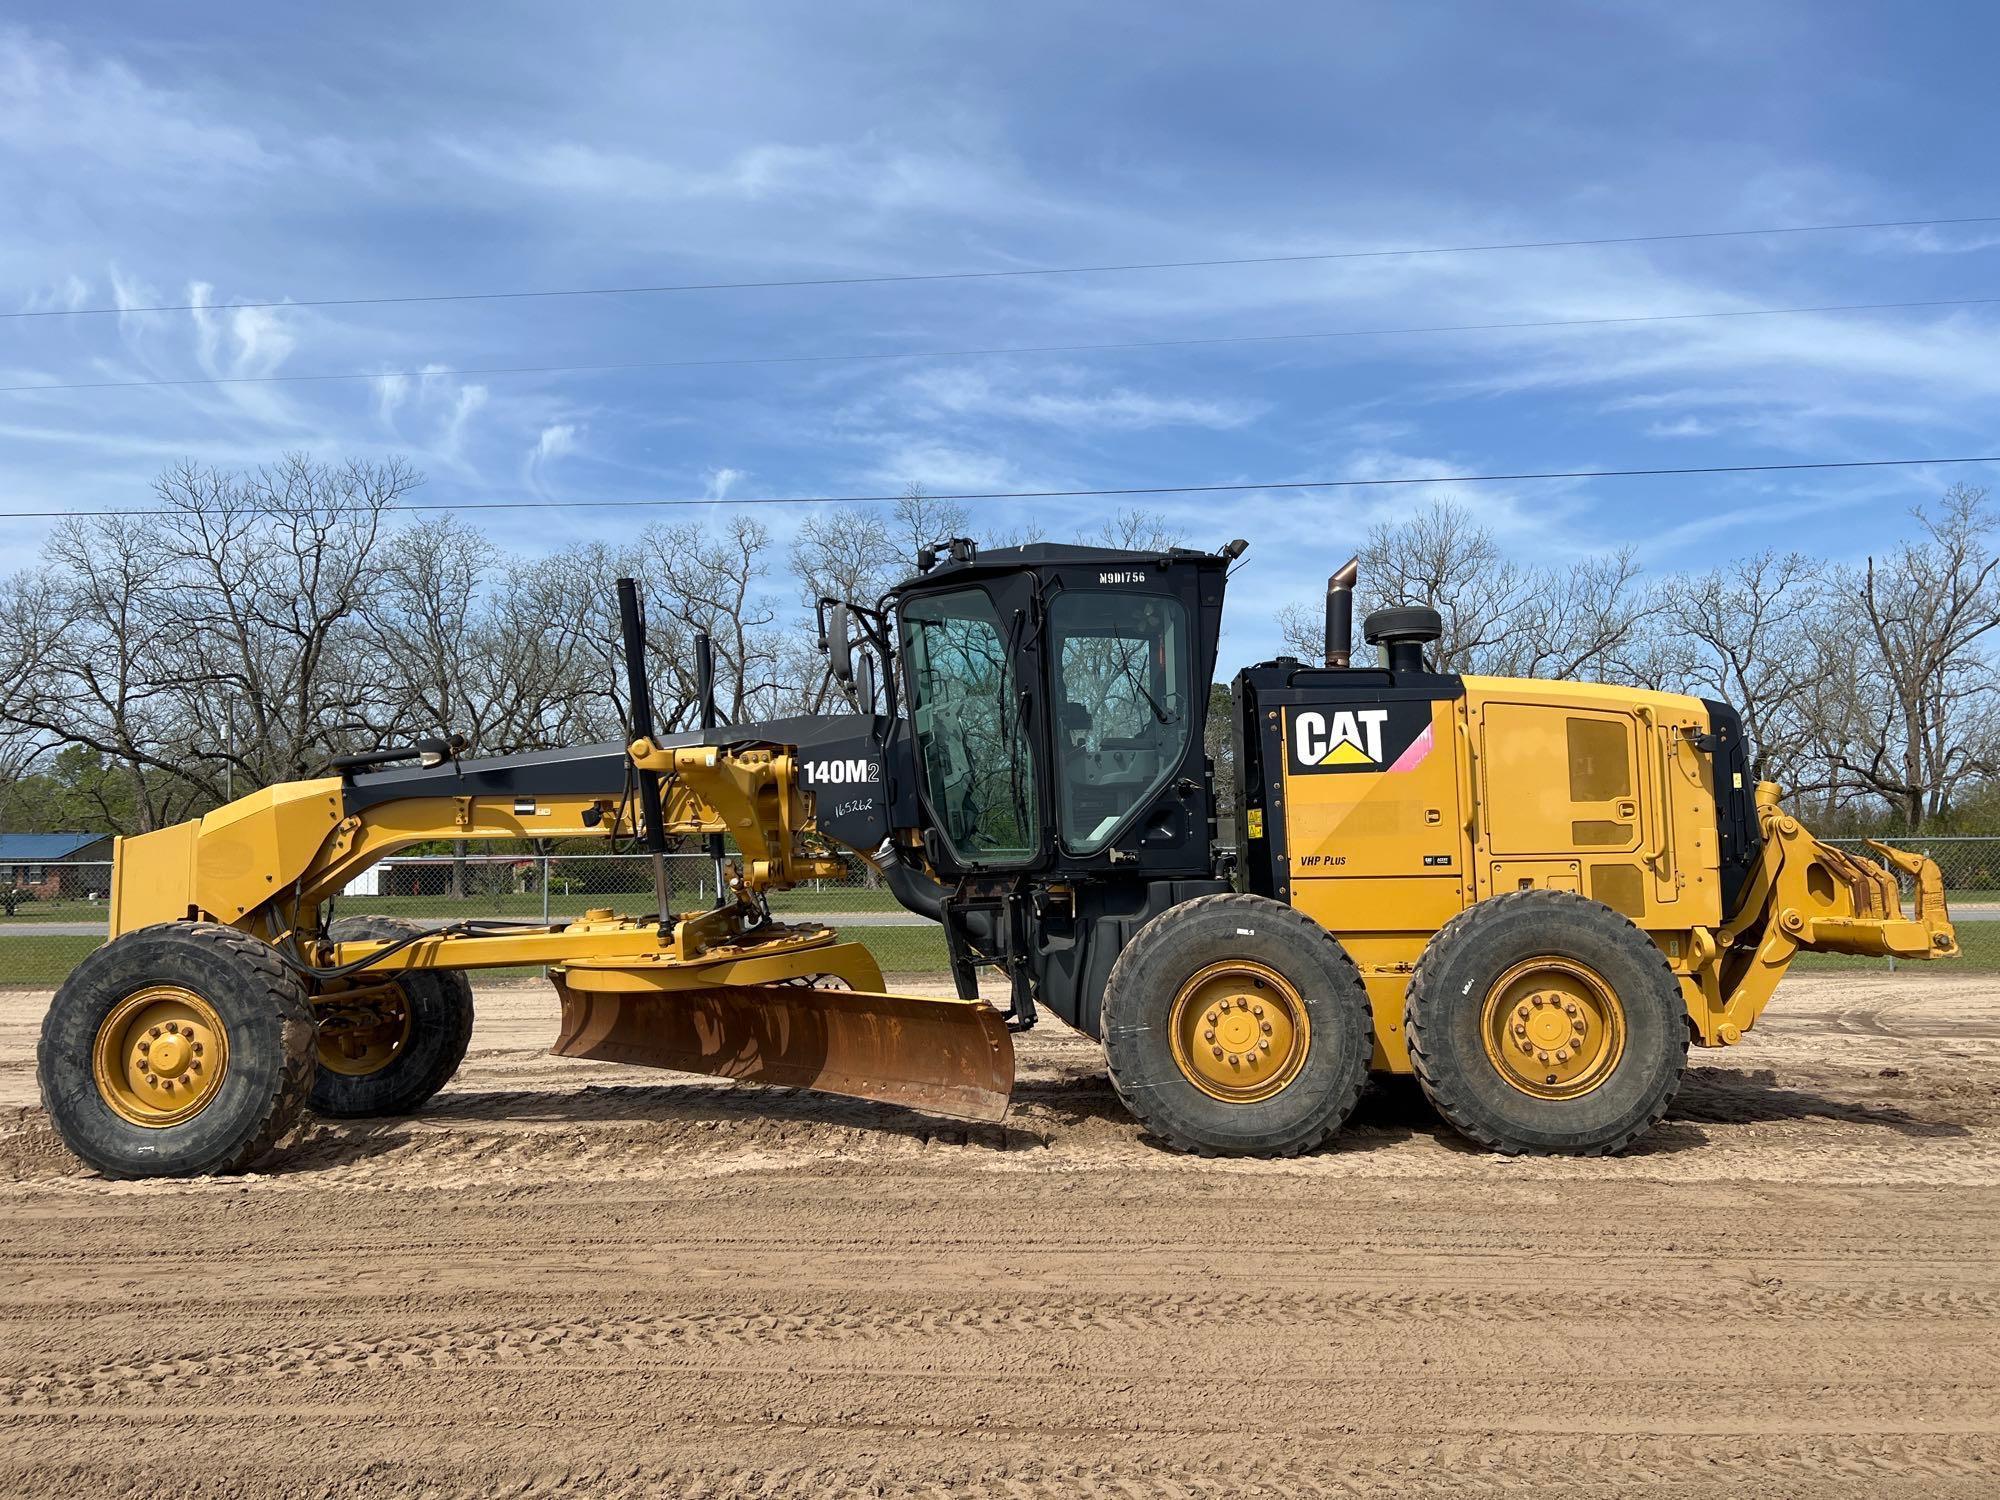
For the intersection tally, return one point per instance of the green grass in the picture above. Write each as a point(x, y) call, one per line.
point(65, 909)
point(29, 962)
point(40, 962)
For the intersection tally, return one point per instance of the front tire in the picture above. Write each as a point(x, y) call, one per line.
point(176, 1050)
point(1237, 1026)
point(1543, 1023)
point(387, 1053)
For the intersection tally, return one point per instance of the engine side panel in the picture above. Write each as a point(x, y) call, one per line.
point(1383, 804)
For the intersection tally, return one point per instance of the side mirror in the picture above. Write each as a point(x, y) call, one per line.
point(840, 645)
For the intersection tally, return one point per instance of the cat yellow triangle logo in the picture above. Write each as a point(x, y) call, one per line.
point(1346, 753)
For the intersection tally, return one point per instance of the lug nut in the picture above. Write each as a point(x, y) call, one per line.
point(1520, 1028)
point(1527, 1045)
point(152, 1081)
point(197, 1049)
point(1537, 1001)
point(1258, 1011)
point(1235, 1061)
point(1264, 1046)
point(1208, 1036)
point(1210, 1018)
point(1570, 1006)
point(1266, 1028)
point(1541, 1057)
point(1562, 1054)
point(154, 1032)
point(1218, 1052)
point(1576, 1026)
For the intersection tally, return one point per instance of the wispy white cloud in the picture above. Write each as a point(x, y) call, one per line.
point(391, 391)
point(465, 404)
point(941, 466)
point(1682, 427)
point(557, 439)
point(54, 104)
point(1070, 399)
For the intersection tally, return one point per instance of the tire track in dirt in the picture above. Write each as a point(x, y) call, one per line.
point(1673, 1466)
point(570, 1279)
point(1183, 1316)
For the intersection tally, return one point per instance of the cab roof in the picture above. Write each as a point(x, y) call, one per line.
point(990, 561)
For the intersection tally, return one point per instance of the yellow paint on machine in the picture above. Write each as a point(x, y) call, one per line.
point(1576, 787)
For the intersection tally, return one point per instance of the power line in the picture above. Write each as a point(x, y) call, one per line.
point(809, 359)
point(1018, 272)
point(1128, 491)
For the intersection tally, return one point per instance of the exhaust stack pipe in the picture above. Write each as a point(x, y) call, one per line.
point(1340, 613)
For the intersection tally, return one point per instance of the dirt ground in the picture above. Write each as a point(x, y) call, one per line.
point(574, 1278)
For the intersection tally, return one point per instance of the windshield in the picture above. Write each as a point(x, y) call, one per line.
point(1121, 707)
point(978, 766)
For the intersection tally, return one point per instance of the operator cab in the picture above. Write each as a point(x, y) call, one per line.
point(1057, 700)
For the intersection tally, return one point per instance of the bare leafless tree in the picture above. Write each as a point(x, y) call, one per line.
point(261, 622)
point(923, 520)
point(1747, 633)
point(1586, 618)
point(1925, 710)
point(1443, 559)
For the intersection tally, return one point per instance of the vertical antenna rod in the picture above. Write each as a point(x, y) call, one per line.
point(632, 622)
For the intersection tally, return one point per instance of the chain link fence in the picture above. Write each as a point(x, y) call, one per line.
point(52, 914)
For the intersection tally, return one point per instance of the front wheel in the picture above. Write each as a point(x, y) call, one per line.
point(1237, 1026)
point(176, 1051)
point(1541, 1022)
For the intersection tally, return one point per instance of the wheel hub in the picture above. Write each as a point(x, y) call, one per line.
point(363, 1031)
point(1239, 1031)
point(1553, 1027)
point(160, 1056)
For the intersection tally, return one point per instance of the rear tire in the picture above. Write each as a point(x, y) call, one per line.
point(1541, 1022)
point(176, 1050)
point(1192, 1001)
point(437, 1006)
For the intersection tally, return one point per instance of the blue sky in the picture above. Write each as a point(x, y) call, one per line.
point(212, 153)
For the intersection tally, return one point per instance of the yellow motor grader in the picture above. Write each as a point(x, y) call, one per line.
point(1533, 895)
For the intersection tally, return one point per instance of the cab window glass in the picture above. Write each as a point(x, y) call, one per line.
point(978, 760)
point(1120, 664)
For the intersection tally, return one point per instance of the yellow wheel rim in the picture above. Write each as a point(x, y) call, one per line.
point(363, 1031)
point(1239, 1031)
point(160, 1056)
point(1553, 1027)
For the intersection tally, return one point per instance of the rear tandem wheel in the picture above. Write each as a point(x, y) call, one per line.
point(1542, 1022)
